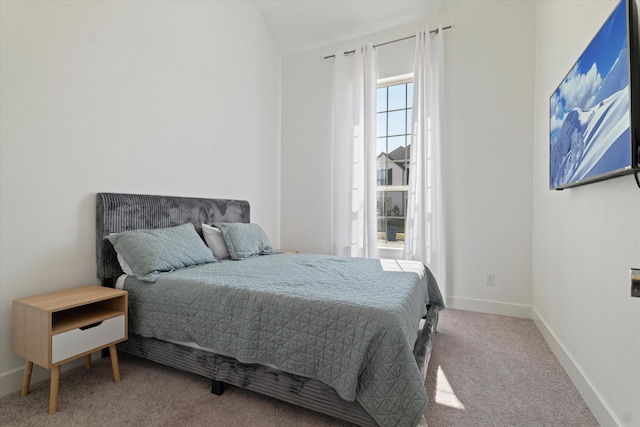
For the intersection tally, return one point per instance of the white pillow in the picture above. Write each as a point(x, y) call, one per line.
point(123, 265)
point(215, 241)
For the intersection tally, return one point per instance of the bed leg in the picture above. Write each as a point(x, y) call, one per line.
point(217, 387)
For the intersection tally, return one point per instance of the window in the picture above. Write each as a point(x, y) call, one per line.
point(385, 176)
point(394, 102)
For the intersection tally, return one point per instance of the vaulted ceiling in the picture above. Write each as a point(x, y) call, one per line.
point(301, 25)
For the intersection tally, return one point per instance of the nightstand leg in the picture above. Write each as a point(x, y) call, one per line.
point(114, 362)
point(53, 393)
point(87, 362)
point(26, 379)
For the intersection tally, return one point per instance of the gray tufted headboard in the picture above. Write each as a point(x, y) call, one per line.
point(117, 212)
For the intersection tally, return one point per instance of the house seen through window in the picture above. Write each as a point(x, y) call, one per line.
point(394, 102)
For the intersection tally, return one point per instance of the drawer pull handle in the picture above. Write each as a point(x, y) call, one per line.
point(93, 325)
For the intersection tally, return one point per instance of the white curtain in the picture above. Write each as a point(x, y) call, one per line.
point(354, 144)
point(425, 225)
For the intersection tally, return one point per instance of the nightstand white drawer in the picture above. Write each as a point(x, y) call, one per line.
point(76, 341)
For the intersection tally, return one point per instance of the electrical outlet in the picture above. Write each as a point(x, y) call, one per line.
point(490, 279)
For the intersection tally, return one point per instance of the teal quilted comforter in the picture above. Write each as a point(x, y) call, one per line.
point(348, 322)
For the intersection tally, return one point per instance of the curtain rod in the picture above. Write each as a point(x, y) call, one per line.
point(392, 41)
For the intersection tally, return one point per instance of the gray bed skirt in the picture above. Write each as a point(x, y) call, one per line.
point(300, 391)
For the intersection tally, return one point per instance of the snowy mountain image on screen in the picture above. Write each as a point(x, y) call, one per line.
point(594, 140)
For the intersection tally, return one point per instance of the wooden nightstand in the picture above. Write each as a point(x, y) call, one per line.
point(55, 328)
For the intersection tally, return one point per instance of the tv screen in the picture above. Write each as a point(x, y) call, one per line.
point(593, 120)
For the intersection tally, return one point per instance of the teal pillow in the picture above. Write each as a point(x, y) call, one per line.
point(245, 240)
point(152, 253)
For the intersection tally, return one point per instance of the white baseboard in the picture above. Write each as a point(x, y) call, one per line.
point(11, 381)
point(593, 399)
point(598, 406)
point(490, 307)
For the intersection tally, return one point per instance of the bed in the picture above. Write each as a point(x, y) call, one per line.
point(374, 360)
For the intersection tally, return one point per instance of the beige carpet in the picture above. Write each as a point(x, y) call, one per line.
point(485, 371)
point(489, 370)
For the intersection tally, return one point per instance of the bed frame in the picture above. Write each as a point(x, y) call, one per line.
point(121, 212)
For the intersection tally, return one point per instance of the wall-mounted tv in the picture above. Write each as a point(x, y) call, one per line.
point(595, 111)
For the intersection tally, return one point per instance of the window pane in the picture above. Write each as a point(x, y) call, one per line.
point(394, 203)
point(402, 151)
point(398, 168)
point(397, 123)
point(405, 171)
point(397, 97)
point(380, 203)
point(382, 147)
point(400, 163)
point(394, 143)
point(382, 124)
point(382, 99)
point(398, 223)
point(394, 121)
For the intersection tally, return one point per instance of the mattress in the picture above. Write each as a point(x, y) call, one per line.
point(348, 322)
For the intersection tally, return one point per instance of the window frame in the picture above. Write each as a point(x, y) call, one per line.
point(381, 190)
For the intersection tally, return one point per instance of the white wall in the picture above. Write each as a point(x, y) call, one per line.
point(585, 241)
point(175, 98)
point(108, 96)
point(487, 147)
